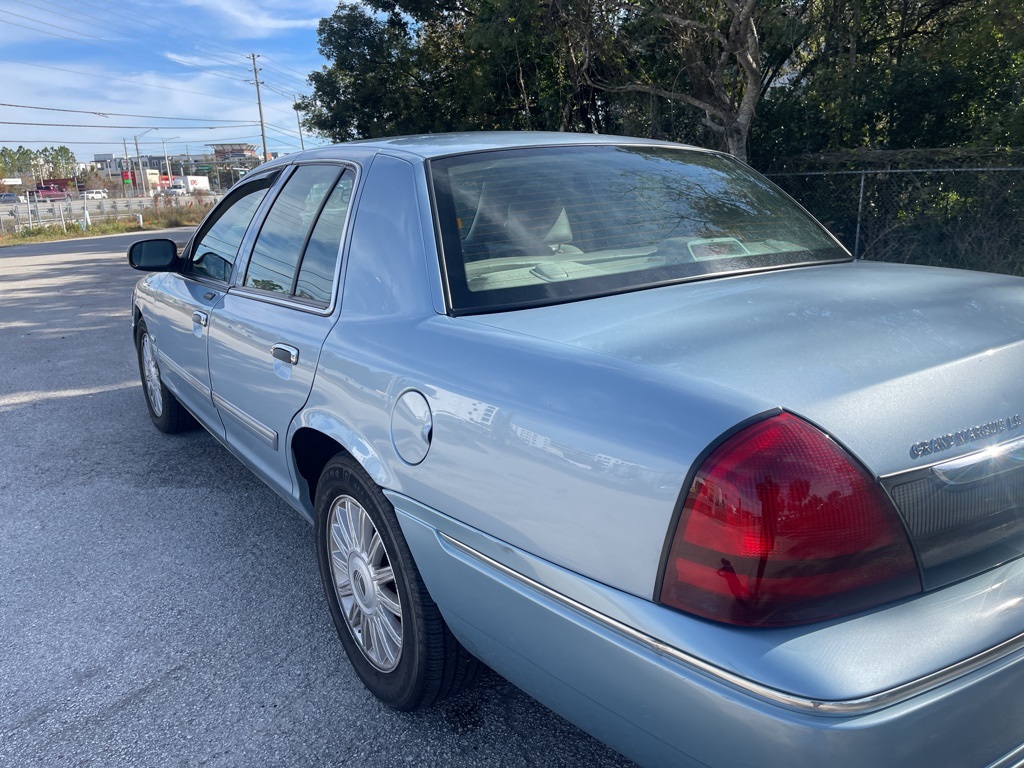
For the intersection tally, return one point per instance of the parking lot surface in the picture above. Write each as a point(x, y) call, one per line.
point(160, 605)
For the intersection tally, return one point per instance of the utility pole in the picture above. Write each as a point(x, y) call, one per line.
point(299, 121)
point(145, 186)
point(128, 163)
point(138, 156)
point(170, 174)
point(167, 164)
point(259, 102)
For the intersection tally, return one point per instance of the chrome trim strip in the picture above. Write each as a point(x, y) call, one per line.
point(983, 464)
point(1013, 759)
point(183, 374)
point(911, 473)
point(846, 707)
point(258, 428)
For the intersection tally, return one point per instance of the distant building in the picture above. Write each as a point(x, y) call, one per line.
point(228, 152)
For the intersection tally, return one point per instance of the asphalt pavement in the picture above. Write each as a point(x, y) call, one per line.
point(160, 606)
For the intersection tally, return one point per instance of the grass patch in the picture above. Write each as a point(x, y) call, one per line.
point(162, 217)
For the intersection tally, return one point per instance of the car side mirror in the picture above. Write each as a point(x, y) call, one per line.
point(157, 255)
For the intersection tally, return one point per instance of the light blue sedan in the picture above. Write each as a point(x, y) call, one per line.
point(618, 419)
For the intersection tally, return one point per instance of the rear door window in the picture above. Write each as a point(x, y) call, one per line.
point(296, 252)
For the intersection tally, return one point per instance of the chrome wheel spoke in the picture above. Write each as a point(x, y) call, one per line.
point(340, 539)
point(339, 565)
point(389, 641)
point(389, 601)
point(366, 638)
point(343, 589)
point(151, 374)
point(391, 630)
point(383, 576)
point(375, 551)
point(364, 583)
point(355, 617)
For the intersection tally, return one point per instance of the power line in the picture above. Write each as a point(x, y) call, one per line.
point(298, 75)
point(43, 31)
point(131, 127)
point(193, 37)
point(104, 43)
point(197, 140)
point(119, 10)
point(79, 40)
point(167, 25)
point(135, 83)
point(118, 114)
point(280, 129)
point(55, 26)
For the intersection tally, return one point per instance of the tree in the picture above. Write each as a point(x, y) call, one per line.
point(370, 88)
point(49, 162)
point(434, 66)
point(680, 69)
point(702, 54)
point(880, 74)
point(766, 77)
point(59, 162)
point(17, 162)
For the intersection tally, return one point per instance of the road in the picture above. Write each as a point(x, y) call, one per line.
point(159, 605)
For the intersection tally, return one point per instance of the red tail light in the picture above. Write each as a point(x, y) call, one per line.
point(782, 526)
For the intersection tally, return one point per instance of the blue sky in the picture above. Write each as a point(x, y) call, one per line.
point(158, 60)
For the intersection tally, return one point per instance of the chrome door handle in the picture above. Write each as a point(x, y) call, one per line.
point(286, 353)
point(200, 318)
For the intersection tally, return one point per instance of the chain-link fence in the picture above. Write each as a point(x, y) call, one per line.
point(965, 217)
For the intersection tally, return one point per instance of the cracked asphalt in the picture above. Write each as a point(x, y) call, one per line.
point(158, 604)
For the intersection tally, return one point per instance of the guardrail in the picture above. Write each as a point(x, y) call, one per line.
point(81, 213)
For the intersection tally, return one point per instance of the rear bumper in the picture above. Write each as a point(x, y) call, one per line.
point(659, 708)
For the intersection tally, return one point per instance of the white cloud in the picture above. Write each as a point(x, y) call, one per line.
point(256, 20)
point(187, 59)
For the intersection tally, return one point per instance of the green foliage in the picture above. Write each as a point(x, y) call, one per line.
point(58, 162)
point(17, 162)
point(833, 74)
point(417, 66)
point(886, 75)
point(49, 162)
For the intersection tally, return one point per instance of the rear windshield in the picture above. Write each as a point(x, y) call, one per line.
point(539, 226)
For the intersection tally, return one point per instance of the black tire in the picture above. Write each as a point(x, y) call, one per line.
point(430, 664)
point(168, 414)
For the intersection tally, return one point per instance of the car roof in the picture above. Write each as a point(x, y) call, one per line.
point(434, 145)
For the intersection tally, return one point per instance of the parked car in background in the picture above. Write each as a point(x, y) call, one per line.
point(95, 194)
point(8, 198)
point(619, 419)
